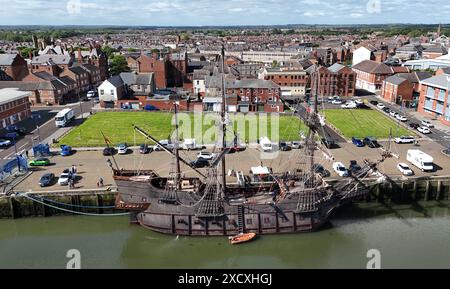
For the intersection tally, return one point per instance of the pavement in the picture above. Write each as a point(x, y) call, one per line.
point(91, 165)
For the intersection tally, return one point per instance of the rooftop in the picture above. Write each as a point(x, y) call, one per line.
point(12, 94)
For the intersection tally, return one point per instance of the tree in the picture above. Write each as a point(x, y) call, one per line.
point(109, 51)
point(118, 65)
point(25, 51)
point(132, 49)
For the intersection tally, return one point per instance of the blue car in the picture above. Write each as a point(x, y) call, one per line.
point(66, 150)
point(357, 142)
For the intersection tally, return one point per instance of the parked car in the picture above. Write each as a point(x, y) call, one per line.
point(11, 136)
point(284, 147)
point(296, 145)
point(46, 180)
point(39, 162)
point(427, 124)
point(66, 150)
point(349, 105)
point(371, 142)
point(165, 143)
point(320, 170)
point(19, 130)
point(336, 101)
point(144, 149)
point(393, 113)
point(90, 94)
point(354, 167)
point(200, 163)
point(387, 110)
point(206, 155)
point(109, 151)
point(374, 102)
point(405, 140)
point(405, 169)
point(123, 149)
point(414, 125)
point(330, 144)
point(381, 106)
point(5, 143)
point(65, 177)
point(424, 130)
point(357, 142)
point(402, 118)
point(340, 169)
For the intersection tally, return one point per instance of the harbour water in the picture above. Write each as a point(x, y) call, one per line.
point(409, 236)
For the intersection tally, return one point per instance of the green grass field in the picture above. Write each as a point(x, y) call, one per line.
point(117, 127)
point(362, 123)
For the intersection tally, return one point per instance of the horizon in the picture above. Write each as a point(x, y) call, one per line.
point(216, 13)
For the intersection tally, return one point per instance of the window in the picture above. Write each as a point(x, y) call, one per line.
point(112, 92)
point(249, 221)
point(266, 220)
point(102, 92)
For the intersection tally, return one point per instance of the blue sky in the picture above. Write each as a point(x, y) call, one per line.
point(218, 12)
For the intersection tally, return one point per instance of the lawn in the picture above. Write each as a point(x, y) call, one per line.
point(118, 128)
point(362, 123)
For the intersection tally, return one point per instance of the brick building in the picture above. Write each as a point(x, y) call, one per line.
point(397, 90)
point(371, 74)
point(434, 98)
point(14, 66)
point(336, 80)
point(14, 106)
point(293, 81)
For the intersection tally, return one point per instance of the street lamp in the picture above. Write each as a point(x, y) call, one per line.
point(81, 106)
point(15, 150)
point(35, 117)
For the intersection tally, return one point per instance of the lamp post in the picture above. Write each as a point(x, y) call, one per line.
point(81, 106)
point(35, 117)
point(17, 155)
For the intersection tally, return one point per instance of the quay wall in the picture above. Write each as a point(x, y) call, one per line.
point(399, 191)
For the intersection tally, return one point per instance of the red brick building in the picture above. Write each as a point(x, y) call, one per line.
point(371, 74)
point(14, 106)
point(434, 98)
point(14, 66)
point(293, 81)
point(336, 80)
point(397, 90)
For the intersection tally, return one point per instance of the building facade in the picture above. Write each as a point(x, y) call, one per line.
point(14, 106)
point(370, 75)
point(434, 98)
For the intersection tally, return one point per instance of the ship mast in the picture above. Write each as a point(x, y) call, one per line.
point(177, 152)
point(224, 125)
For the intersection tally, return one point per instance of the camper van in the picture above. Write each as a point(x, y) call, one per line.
point(421, 160)
point(266, 144)
point(64, 117)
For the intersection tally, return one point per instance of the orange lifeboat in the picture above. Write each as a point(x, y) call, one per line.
point(242, 238)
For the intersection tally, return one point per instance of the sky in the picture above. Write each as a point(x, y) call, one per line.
point(221, 12)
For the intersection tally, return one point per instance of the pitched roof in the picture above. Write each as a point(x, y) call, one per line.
point(131, 78)
point(336, 67)
point(395, 79)
point(373, 67)
point(251, 83)
point(440, 81)
point(57, 59)
point(27, 86)
point(7, 59)
point(11, 94)
point(116, 81)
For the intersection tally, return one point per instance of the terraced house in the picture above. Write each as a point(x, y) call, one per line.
point(370, 75)
point(434, 97)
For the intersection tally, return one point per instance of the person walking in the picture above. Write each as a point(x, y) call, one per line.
point(100, 182)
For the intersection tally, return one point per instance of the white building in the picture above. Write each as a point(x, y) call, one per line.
point(111, 90)
point(363, 53)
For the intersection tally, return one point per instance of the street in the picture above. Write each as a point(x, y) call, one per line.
point(44, 117)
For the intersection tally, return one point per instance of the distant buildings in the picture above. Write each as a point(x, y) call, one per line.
point(14, 106)
point(14, 66)
point(292, 81)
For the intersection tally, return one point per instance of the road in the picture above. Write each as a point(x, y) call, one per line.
point(44, 117)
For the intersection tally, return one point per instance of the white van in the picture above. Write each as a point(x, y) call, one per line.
point(266, 144)
point(421, 160)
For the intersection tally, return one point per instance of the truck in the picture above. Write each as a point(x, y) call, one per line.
point(421, 160)
point(266, 144)
point(64, 117)
point(190, 145)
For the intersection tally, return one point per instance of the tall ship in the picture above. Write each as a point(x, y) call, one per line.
point(263, 203)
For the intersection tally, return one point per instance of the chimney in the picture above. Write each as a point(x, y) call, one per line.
point(30, 55)
point(80, 56)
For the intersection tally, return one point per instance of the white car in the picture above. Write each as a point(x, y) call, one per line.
point(336, 101)
point(90, 94)
point(349, 105)
point(165, 143)
point(402, 118)
point(427, 124)
point(381, 106)
point(340, 169)
point(358, 101)
point(5, 143)
point(64, 179)
point(393, 114)
point(296, 145)
point(123, 149)
point(405, 169)
point(424, 130)
point(206, 156)
point(404, 139)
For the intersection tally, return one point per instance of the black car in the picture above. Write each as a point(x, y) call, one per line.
point(199, 163)
point(144, 149)
point(354, 167)
point(330, 144)
point(15, 129)
point(46, 180)
point(12, 136)
point(284, 147)
point(374, 102)
point(109, 151)
point(386, 110)
point(371, 142)
point(414, 125)
point(320, 170)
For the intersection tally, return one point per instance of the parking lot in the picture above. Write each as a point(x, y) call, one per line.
point(91, 165)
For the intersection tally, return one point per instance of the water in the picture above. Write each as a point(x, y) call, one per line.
point(407, 236)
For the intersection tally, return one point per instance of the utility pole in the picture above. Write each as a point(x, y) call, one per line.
point(17, 155)
point(177, 153)
point(224, 125)
point(35, 117)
